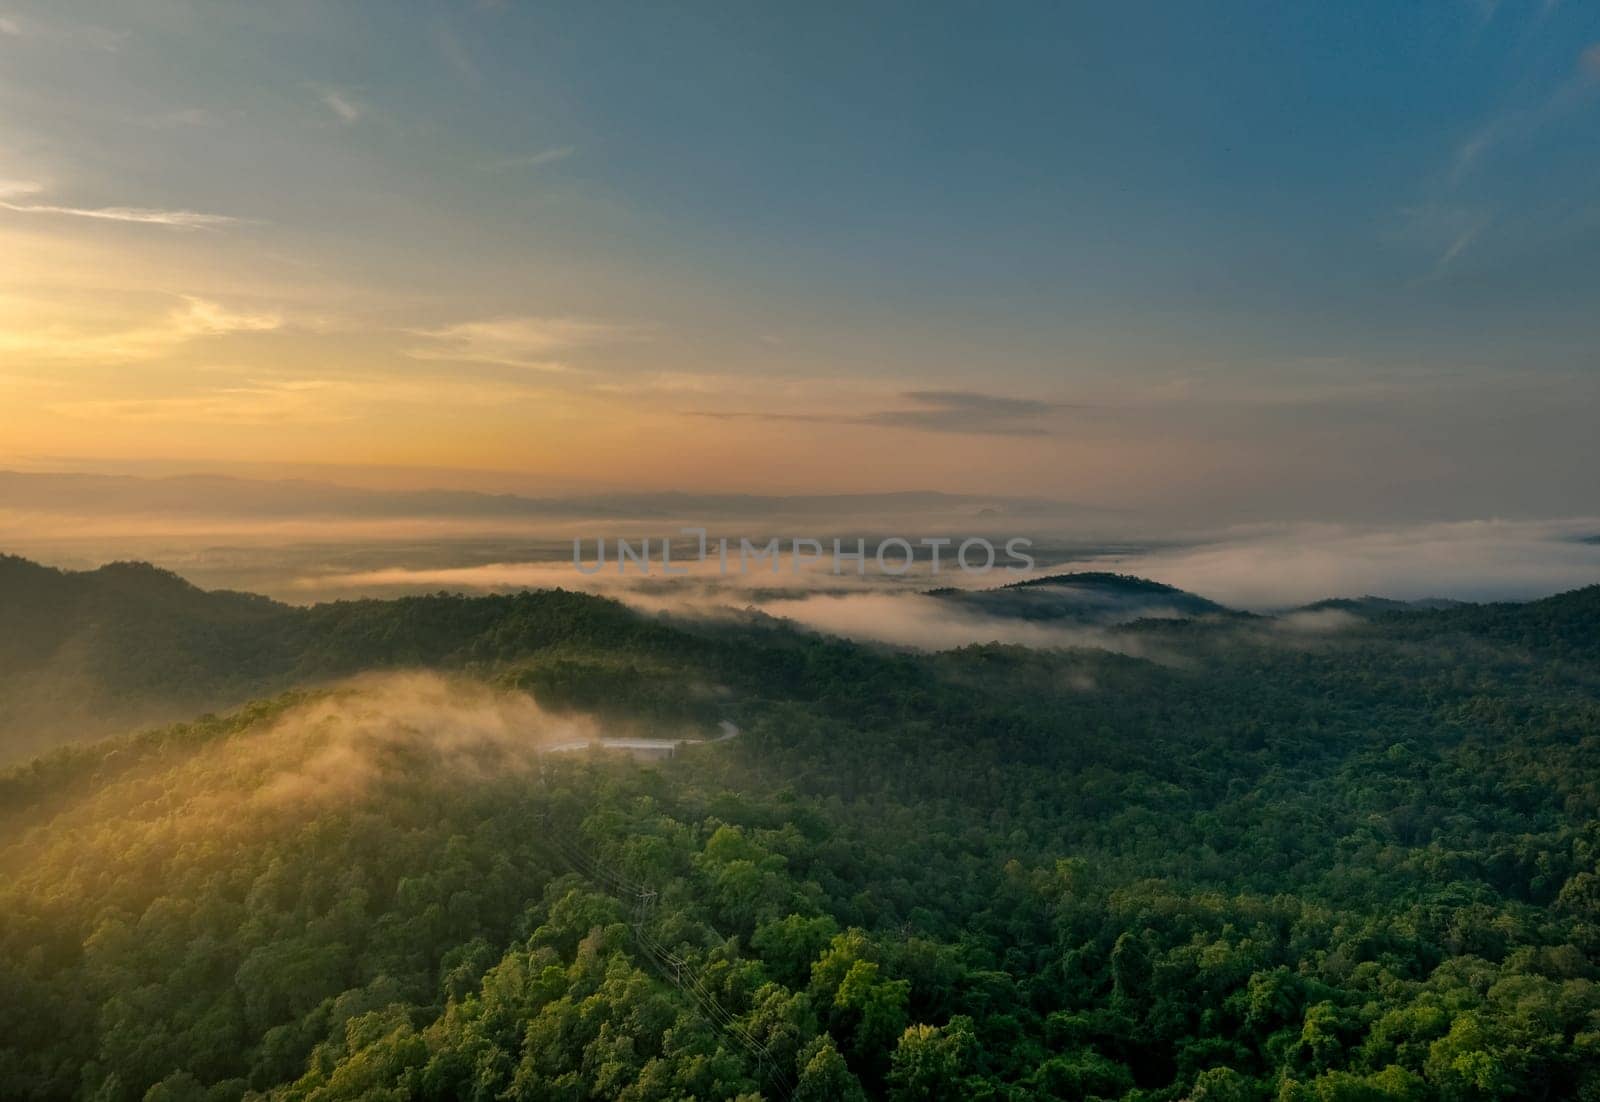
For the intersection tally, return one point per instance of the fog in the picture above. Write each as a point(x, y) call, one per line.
point(306, 542)
point(376, 725)
point(1258, 568)
point(922, 622)
point(1280, 566)
point(1261, 568)
point(344, 742)
point(371, 739)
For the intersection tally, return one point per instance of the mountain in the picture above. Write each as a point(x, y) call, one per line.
point(1242, 863)
point(1376, 606)
point(1563, 627)
point(88, 653)
point(84, 654)
point(228, 497)
point(1089, 597)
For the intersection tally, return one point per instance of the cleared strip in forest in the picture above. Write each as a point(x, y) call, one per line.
point(681, 973)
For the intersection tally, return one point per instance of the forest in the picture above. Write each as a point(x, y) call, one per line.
point(1347, 853)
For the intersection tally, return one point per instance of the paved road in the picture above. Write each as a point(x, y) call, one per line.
point(728, 729)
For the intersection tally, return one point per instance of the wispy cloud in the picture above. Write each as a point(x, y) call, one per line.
point(26, 338)
point(13, 191)
point(458, 57)
point(968, 411)
point(1462, 242)
point(534, 160)
point(342, 103)
point(527, 342)
point(954, 411)
point(250, 402)
point(1445, 231)
point(184, 117)
point(75, 35)
point(259, 396)
point(1589, 62)
point(202, 317)
point(1275, 566)
point(1514, 124)
point(1471, 150)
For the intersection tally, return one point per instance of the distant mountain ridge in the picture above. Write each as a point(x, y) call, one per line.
point(88, 653)
point(1370, 605)
point(94, 652)
point(221, 495)
point(1085, 596)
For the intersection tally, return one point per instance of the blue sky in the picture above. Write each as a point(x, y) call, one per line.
point(1138, 251)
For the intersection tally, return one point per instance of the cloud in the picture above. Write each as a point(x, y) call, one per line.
point(1283, 565)
point(377, 729)
point(1461, 243)
point(1589, 61)
point(344, 105)
point(534, 160)
point(458, 57)
point(955, 411)
point(928, 623)
point(1445, 230)
point(1316, 621)
point(84, 36)
point(1262, 568)
point(1519, 124)
point(21, 335)
point(252, 402)
point(511, 342)
point(202, 317)
point(871, 608)
point(1475, 145)
point(967, 411)
point(184, 117)
point(11, 190)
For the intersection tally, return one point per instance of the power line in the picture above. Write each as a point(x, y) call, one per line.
point(678, 971)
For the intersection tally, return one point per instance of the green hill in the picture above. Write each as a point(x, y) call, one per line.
point(85, 654)
point(1240, 863)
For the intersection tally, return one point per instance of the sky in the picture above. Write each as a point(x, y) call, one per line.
point(1241, 261)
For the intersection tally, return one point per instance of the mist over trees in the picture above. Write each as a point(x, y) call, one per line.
point(1355, 856)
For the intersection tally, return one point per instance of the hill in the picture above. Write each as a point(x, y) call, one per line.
point(1089, 597)
point(1256, 864)
point(1375, 606)
point(84, 654)
point(89, 653)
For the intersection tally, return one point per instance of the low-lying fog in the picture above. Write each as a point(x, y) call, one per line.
point(294, 542)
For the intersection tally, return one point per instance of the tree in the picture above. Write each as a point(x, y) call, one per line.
point(825, 1077)
point(930, 1061)
point(874, 1008)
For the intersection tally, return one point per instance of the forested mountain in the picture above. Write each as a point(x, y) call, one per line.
point(1245, 859)
point(1370, 606)
point(87, 653)
point(1092, 597)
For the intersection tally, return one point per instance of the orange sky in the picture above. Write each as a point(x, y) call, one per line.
point(258, 241)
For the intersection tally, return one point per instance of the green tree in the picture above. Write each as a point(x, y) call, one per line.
point(930, 1062)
